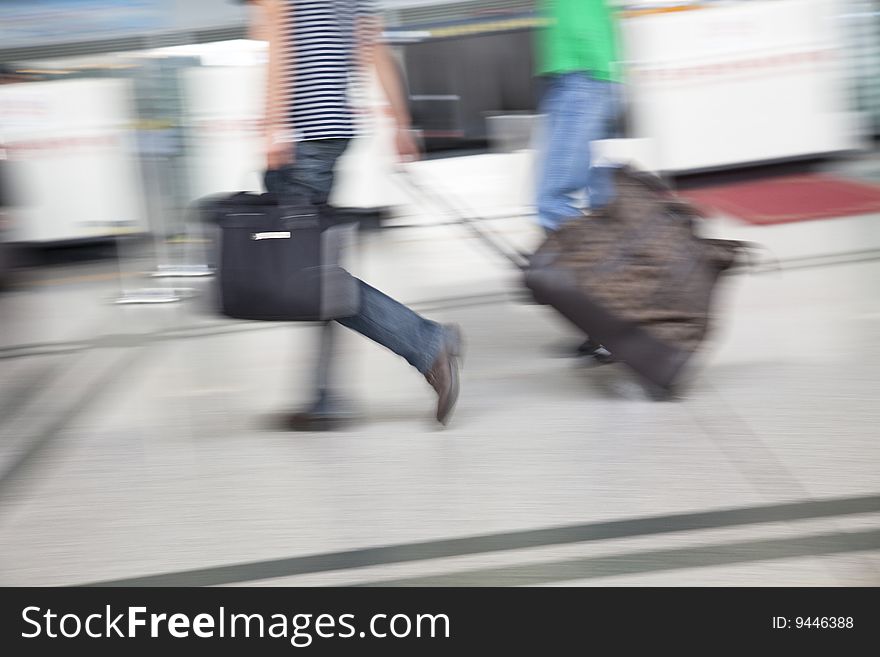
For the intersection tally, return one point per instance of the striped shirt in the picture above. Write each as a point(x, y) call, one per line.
point(321, 65)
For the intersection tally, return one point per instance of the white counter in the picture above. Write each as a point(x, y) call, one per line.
point(739, 82)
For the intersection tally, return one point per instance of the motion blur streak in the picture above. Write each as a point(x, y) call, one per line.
point(145, 438)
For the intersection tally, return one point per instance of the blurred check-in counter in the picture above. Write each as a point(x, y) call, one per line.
point(708, 85)
point(71, 160)
point(721, 84)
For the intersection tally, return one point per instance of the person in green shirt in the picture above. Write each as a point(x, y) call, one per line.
point(577, 57)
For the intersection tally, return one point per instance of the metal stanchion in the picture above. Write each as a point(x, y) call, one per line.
point(156, 208)
point(188, 266)
point(142, 295)
point(146, 295)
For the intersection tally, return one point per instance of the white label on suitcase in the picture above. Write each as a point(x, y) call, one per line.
point(278, 235)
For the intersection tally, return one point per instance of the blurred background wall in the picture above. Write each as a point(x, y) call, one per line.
point(130, 109)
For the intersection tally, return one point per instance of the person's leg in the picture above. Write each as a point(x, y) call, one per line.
point(578, 110)
point(433, 349)
point(606, 105)
point(549, 204)
point(398, 328)
point(310, 177)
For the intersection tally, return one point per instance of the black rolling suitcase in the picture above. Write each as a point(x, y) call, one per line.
point(279, 261)
point(633, 276)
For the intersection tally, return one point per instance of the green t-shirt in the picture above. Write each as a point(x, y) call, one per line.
point(580, 35)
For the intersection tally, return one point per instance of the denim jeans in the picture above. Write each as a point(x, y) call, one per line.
point(396, 327)
point(578, 109)
point(380, 318)
point(310, 176)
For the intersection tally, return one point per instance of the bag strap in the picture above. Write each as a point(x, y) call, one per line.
point(467, 217)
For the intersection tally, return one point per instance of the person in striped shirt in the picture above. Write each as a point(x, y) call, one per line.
point(317, 50)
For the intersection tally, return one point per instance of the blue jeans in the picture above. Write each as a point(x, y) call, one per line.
point(380, 318)
point(396, 327)
point(578, 109)
point(310, 176)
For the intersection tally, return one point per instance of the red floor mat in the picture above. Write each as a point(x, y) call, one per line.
point(789, 198)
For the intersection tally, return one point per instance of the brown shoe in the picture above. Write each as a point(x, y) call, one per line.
point(443, 377)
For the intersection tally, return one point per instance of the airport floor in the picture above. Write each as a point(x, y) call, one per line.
point(139, 444)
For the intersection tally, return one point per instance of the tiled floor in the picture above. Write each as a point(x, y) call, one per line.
point(138, 441)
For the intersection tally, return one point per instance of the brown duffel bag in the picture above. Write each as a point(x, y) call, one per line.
point(636, 277)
